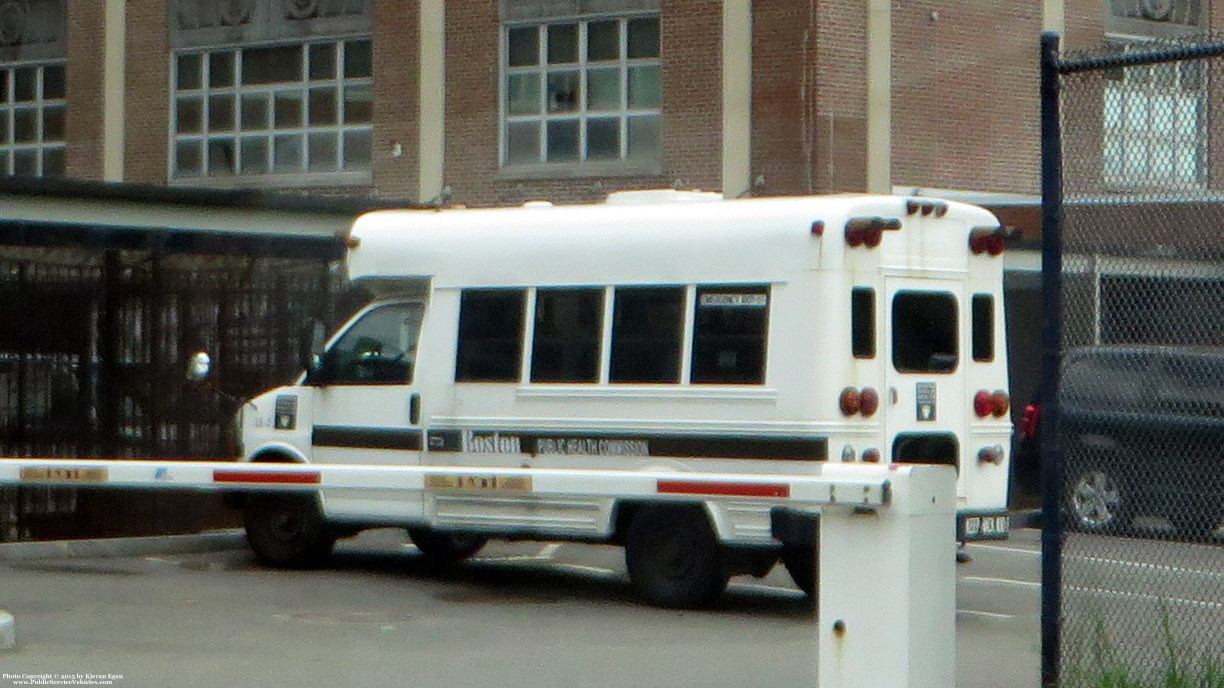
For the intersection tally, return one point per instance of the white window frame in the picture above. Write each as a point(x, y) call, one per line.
point(623, 163)
point(342, 175)
point(1154, 134)
point(41, 149)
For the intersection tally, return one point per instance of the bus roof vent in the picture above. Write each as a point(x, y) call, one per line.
point(649, 196)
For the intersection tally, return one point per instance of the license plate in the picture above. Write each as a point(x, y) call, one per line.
point(498, 483)
point(983, 527)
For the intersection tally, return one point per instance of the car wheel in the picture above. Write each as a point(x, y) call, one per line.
point(445, 548)
point(1097, 501)
point(673, 557)
point(287, 530)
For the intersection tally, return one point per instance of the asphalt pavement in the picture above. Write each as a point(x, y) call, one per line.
point(197, 611)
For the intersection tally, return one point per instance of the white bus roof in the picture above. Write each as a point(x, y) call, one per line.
point(628, 241)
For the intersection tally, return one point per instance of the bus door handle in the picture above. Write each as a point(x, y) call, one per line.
point(414, 409)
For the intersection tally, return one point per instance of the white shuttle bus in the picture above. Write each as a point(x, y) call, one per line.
point(660, 330)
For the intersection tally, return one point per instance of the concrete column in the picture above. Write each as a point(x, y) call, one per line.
point(431, 100)
point(879, 96)
point(737, 97)
point(114, 89)
point(1053, 16)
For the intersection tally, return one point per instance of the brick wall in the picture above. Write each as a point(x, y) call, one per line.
point(692, 93)
point(85, 94)
point(965, 94)
point(396, 84)
point(784, 97)
point(148, 81)
point(840, 137)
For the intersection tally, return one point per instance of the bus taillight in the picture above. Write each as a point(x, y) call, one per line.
point(849, 401)
point(987, 403)
point(987, 240)
point(865, 401)
point(869, 231)
point(869, 401)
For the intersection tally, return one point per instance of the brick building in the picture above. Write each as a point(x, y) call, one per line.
point(499, 101)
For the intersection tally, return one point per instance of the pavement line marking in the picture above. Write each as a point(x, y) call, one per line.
point(1004, 581)
point(988, 615)
point(769, 588)
point(1145, 596)
point(589, 569)
point(549, 550)
point(1009, 550)
point(1146, 566)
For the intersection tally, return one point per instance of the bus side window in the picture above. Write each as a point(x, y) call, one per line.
point(646, 334)
point(862, 322)
point(490, 335)
point(983, 327)
point(729, 330)
point(567, 335)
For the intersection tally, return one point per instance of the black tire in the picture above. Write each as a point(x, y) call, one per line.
point(801, 562)
point(1097, 500)
point(445, 548)
point(673, 557)
point(287, 530)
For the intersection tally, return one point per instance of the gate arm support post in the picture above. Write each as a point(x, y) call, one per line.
point(887, 585)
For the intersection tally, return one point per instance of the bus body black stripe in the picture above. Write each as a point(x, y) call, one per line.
point(366, 438)
point(681, 446)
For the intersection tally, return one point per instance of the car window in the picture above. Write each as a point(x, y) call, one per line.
point(1193, 384)
point(1113, 379)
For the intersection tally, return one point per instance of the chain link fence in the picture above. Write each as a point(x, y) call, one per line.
point(1138, 416)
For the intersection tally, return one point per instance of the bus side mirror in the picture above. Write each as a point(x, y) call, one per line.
point(199, 365)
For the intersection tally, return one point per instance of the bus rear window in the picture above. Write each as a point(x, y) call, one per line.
point(983, 327)
point(924, 332)
point(862, 322)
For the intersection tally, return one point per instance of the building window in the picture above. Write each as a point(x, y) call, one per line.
point(1155, 122)
point(582, 91)
point(302, 111)
point(32, 119)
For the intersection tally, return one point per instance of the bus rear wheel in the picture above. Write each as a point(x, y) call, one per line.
point(445, 548)
point(287, 530)
point(673, 557)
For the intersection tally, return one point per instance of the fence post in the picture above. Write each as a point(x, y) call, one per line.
point(1051, 346)
point(887, 585)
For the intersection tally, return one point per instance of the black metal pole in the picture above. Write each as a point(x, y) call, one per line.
point(1051, 345)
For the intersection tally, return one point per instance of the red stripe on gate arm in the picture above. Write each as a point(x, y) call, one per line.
point(294, 477)
point(701, 487)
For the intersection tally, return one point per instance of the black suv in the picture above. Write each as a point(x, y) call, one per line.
point(1143, 435)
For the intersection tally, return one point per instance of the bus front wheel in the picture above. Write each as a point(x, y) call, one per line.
point(287, 530)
